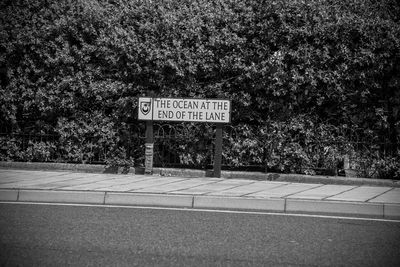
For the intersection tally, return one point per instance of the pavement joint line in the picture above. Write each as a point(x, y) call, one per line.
point(68, 179)
point(284, 206)
point(281, 185)
point(190, 187)
point(30, 180)
point(53, 175)
point(383, 210)
point(213, 182)
point(140, 180)
point(186, 188)
point(239, 185)
point(231, 188)
point(104, 198)
point(66, 173)
point(133, 190)
point(285, 196)
point(354, 187)
point(85, 183)
point(236, 186)
point(379, 195)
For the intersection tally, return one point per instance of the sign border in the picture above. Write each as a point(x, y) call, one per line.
point(194, 98)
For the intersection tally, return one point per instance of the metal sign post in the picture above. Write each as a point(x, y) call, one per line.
point(216, 111)
point(145, 112)
point(218, 150)
point(149, 148)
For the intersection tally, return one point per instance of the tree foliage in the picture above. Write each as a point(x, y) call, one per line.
point(75, 62)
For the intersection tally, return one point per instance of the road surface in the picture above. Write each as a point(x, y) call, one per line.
point(63, 235)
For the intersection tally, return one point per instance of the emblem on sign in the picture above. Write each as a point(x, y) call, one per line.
point(145, 107)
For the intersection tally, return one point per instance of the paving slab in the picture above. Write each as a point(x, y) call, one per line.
point(149, 181)
point(284, 190)
point(9, 186)
point(111, 182)
point(208, 188)
point(78, 183)
point(76, 175)
point(234, 181)
point(213, 193)
point(10, 180)
point(322, 192)
point(16, 177)
point(360, 194)
point(23, 175)
point(31, 183)
point(49, 183)
point(105, 185)
point(391, 196)
point(248, 189)
point(181, 185)
point(98, 184)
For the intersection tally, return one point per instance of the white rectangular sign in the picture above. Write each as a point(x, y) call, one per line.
point(183, 109)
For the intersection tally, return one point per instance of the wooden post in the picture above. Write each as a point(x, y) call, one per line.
point(218, 150)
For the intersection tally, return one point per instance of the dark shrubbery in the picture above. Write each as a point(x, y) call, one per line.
point(299, 145)
point(294, 70)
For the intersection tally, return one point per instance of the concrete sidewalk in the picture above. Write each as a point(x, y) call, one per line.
point(201, 193)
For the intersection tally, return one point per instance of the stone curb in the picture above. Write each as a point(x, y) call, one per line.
point(334, 207)
point(163, 200)
point(8, 195)
point(290, 206)
point(295, 178)
point(81, 197)
point(391, 211)
point(237, 203)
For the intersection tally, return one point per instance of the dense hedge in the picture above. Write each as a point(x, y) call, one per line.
point(78, 66)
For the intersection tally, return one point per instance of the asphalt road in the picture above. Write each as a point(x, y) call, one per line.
point(48, 235)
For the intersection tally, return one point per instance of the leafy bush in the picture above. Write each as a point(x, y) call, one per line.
point(243, 146)
point(10, 149)
point(17, 148)
point(371, 164)
point(87, 137)
point(389, 167)
point(185, 144)
point(300, 145)
point(38, 151)
point(118, 158)
point(80, 65)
